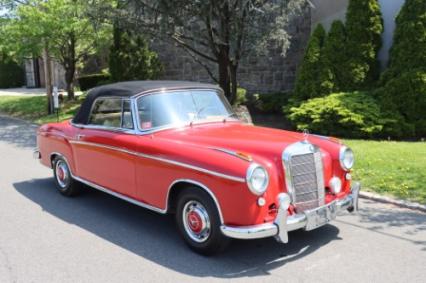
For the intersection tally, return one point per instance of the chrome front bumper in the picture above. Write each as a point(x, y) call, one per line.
point(309, 220)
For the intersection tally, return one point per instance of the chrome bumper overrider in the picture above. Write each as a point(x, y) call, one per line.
point(309, 220)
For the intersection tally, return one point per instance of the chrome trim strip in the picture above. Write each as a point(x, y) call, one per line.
point(118, 195)
point(105, 190)
point(247, 158)
point(205, 188)
point(142, 204)
point(177, 163)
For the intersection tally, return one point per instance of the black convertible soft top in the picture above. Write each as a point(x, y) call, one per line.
point(128, 89)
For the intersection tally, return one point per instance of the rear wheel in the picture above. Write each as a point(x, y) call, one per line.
point(199, 223)
point(63, 179)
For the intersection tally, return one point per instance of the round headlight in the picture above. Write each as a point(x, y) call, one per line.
point(346, 158)
point(335, 185)
point(257, 179)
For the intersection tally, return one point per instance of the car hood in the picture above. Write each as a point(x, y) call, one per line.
point(238, 137)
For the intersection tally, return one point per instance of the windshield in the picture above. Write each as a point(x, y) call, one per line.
point(182, 107)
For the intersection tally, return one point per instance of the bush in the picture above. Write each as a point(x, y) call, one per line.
point(406, 95)
point(307, 84)
point(241, 96)
point(408, 51)
point(364, 26)
point(11, 74)
point(270, 102)
point(131, 59)
point(91, 81)
point(350, 115)
point(334, 58)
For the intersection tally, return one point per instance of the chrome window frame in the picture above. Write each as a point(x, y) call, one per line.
point(108, 128)
point(169, 126)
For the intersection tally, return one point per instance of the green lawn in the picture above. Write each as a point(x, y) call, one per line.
point(391, 168)
point(386, 167)
point(34, 108)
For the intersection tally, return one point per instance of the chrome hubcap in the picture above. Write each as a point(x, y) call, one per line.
point(62, 173)
point(196, 221)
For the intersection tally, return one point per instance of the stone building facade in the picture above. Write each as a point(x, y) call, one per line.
point(258, 74)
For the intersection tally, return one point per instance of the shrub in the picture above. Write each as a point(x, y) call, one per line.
point(364, 26)
point(408, 51)
point(90, 81)
point(241, 96)
point(270, 102)
point(307, 84)
point(334, 58)
point(131, 59)
point(11, 74)
point(350, 114)
point(406, 95)
point(404, 82)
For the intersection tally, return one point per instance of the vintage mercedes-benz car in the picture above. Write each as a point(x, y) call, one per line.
point(177, 147)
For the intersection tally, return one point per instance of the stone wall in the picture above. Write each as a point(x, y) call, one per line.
point(269, 73)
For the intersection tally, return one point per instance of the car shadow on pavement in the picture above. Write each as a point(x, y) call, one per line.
point(154, 236)
point(17, 132)
point(382, 219)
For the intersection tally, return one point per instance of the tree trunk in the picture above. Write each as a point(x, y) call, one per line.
point(69, 80)
point(48, 78)
point(70, 67)
point(224, 79)
point(234, 85)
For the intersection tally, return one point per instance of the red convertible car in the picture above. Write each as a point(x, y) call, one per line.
point(177, 147)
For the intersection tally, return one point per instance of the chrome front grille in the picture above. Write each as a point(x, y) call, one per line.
point(304, 175)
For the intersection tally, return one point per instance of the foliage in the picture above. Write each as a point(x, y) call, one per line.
point(364, 26)
point(33, 108)
point(404, 82)
point(131, 59)
point(11, 74)
point(270, 102)
point(334, 75)
point(241, 96)
point(307, 84)
point(91, 81)
point(406, 95)
point(63, 28)
point(350, 114)
point(217, 34)
point(409, 41)
point(391, 168)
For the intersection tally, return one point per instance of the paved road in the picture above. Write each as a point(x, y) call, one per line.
point(45, 237)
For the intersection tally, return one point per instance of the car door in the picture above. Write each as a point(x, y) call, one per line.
point(100, 148)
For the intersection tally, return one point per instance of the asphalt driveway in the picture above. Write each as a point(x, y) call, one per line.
point(45, 237)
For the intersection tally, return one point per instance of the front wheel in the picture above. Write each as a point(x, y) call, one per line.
point(63, 178)
point(199, 223)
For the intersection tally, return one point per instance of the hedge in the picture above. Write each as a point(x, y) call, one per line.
point(348, 114)
point(91, 81)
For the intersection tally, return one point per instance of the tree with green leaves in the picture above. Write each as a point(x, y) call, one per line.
point(404, 82)
point(310, 72)
point(364, 26)
point(334, 58)
point(130, 57)
point(217, 34)
point(64, 30)
point(11, 73)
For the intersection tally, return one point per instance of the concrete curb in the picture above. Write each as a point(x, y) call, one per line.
point(397, 202)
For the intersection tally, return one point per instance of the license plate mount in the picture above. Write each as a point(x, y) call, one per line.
point(320, 216)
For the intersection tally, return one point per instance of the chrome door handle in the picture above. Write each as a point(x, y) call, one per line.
point(79, 137)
